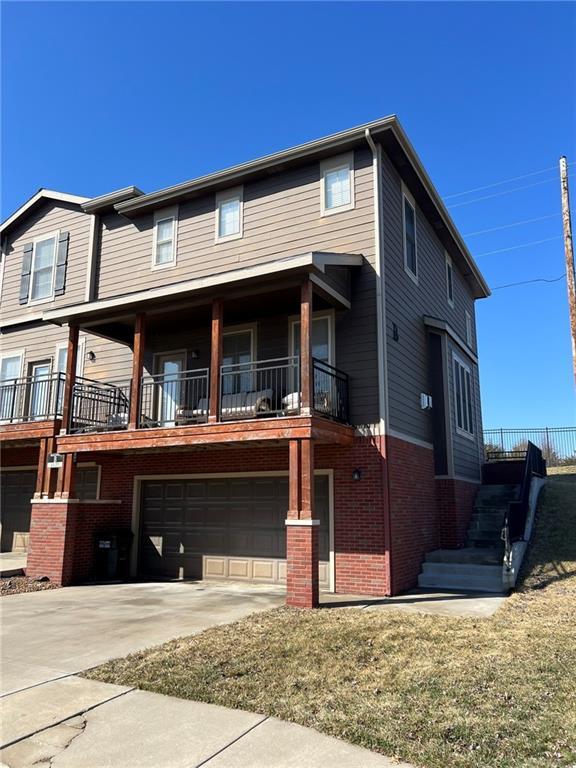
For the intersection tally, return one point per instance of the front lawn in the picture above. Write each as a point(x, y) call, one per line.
point(435, 691)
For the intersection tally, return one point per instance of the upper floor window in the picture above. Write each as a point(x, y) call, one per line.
point(468, 328)
point(463, 398)
point(164, 251)
point(229, 215)
point(337, 184)
point(42, 268)
point(449, 281)
point(409, 231)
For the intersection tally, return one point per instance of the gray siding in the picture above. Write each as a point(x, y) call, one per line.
point(40, 341)
point(406, 305)
point(281, 218)
point(48, 218)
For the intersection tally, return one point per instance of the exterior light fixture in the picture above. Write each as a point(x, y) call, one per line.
point(356, 474)
point(91, 357)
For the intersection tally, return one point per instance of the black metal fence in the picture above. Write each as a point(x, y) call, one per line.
point(99, 406)
point(173, 399)
point(330, 391)
point(558, 444)
point(32, 398)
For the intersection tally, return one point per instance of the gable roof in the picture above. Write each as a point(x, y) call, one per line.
point(42, 194)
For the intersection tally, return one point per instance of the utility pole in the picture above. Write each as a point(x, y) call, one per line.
point(569, 253)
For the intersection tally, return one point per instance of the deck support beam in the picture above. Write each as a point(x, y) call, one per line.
point(137, 369)
point(71, 365)
point(306, 367)
point(215, 358)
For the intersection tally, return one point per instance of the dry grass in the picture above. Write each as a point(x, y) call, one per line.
point(435, 691)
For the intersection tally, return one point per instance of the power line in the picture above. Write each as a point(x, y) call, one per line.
point(522, 245)
point(499, 194)
point(514, 224)
point(525, 282)
point(498, 183)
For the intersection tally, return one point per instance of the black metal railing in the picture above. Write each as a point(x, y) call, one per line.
point(99, 406)
point(32, 398)
point(330, 391)
point(515, 520)
point(558, 444)
point(174, 399)
point(259, 389)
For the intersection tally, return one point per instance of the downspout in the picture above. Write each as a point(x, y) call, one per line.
point(381, 339)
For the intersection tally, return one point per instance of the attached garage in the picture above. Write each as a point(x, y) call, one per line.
point(223, 528)
point(16, 489)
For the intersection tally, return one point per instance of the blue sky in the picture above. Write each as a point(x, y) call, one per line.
point(96, 96)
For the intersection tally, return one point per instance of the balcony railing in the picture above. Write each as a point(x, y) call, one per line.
point(99, 406)
point(32, 398)
point(260, 389)
point(169, 400)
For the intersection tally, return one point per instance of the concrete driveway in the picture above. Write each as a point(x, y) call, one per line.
point(53, 719)
point(45, 635)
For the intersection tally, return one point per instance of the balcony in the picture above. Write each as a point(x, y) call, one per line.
point(31, 406)
point(264, 389)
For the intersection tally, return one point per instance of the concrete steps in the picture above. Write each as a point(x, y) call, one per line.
point(478, 566)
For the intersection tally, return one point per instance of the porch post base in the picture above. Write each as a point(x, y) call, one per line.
point(302, 551)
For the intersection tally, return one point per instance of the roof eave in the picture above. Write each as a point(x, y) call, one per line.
point(47, 194)
point(97, 204)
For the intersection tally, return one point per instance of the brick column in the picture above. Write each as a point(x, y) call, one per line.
point(52, 540)
point(302, 532)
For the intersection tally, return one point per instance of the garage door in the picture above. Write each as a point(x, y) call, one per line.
point(225, 528)
point(16, 490)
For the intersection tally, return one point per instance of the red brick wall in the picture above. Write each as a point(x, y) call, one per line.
point(51, 545)
point(455, 500)
point(301, 566)
point(413, 514)
point(360, 547)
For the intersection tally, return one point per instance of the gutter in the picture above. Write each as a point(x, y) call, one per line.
point(381, 339)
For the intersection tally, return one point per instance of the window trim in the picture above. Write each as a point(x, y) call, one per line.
point(236, 193)
point(406, 196)
point(449, 284)
point(80, 359)
point(462, 431)
point(163, 215)
point(330, 314)
point(40, 239)
point(20, 353)
point(252, 329)
point(334, 164)
point(469, 333)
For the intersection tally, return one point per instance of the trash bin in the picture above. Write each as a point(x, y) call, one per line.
point(112, 555)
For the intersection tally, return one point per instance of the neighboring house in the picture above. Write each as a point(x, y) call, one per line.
point(267, 374)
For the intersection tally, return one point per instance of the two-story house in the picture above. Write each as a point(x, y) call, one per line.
point(266, 374)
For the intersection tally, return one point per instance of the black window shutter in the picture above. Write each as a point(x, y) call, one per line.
point(25, 275)
point(61, 261)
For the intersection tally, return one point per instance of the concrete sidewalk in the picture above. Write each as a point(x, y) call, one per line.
point(78, 723)
point(12, 563)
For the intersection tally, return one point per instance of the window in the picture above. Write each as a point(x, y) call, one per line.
point(43, 262)
point(468, 328)
point(237, 351)
point(337, 184)
point(40, 390)
point(10, 371)
point(164, 250)
point(463, 398)
point(87, 482)
point(449, 281)
point(229, 214)
point(409, 228)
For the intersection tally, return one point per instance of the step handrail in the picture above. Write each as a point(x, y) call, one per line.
point(518, 509)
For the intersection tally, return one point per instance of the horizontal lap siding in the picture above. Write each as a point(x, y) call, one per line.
point(47, 219)
point(281, 219)
point(406, 305)
point(40, 341)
